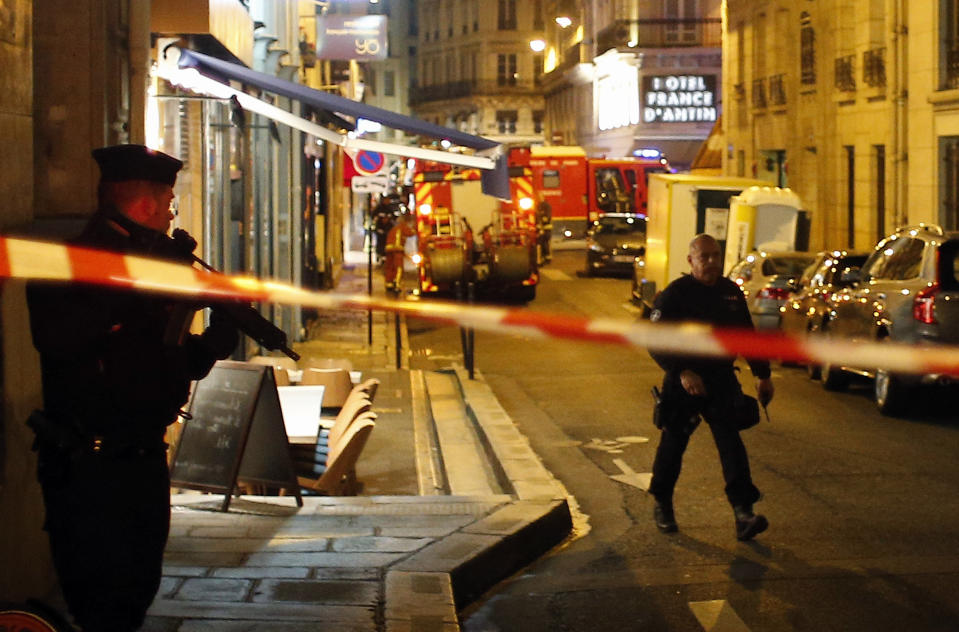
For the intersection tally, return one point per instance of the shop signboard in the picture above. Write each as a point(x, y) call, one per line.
point(360, 37)
point(679, 98)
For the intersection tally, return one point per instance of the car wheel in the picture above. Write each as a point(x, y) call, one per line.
point(891, 393)
point(833, 378)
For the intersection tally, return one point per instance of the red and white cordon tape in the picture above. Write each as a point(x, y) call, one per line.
point(26, 259)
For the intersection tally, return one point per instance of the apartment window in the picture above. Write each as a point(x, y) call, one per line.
point(949, 44)
point(874, 67)
point(538, 24)
point(389, 83)
point(681, 17)
point(807, 50)
point(537, 69)
point(506, 121)
point(949, 189)
point(507, 15)
point(538, 118)
point(845, 71)
point(506, 70)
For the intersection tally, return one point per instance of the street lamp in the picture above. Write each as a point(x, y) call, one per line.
point(566, 12)
point(537, 45)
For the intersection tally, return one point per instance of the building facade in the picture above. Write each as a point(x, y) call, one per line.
point(244, 192)
point(851, 103)
point(630, 77)
point(476, 71)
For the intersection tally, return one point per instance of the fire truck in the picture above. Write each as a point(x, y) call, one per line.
point(466, 236)
point(579, 189)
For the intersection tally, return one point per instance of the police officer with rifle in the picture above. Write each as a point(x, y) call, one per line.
point(116, 368)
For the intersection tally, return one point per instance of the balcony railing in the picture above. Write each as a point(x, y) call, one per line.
point(874, 67)
point(460, 89)
point(759, 93)
point(777, 90)
point(846, 73)
point(660, 33)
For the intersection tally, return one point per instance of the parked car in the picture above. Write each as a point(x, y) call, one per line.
point(767, 279)
point(614, 241)
point(804, 311)
point(906, 291)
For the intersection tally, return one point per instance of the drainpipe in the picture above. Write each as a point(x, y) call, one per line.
point(900, 120)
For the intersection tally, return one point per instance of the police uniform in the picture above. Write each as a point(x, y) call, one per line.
point(113, 379)
point(719, 305)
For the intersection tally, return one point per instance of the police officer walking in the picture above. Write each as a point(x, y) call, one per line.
point(116, 368)
point(707, 387)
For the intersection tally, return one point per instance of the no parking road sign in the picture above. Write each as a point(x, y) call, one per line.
point(369, 162)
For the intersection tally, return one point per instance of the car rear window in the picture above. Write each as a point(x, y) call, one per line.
point(792, 266)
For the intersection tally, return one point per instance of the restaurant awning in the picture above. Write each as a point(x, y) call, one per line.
point(211, 76)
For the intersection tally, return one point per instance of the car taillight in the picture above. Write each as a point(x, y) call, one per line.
point(775, 293)
point(923, 306)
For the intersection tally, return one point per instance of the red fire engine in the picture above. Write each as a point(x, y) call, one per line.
point(465, 235)
point(579, 189)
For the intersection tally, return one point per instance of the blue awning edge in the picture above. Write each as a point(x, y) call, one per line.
point(221, 71)
point(495, 181)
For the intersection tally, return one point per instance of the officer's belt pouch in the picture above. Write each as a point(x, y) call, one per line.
point(51, 433)
point(745, 412)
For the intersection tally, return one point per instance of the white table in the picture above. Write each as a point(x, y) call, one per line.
point(301, 406)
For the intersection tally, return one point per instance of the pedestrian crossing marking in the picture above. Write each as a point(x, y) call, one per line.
point(554, 275)
point(717, 616)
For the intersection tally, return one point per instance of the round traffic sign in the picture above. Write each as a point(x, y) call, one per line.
point(369, 162)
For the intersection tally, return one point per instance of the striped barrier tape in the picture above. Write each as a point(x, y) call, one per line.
point(26, 259)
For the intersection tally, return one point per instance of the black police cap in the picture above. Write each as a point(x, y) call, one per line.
point(120, 163)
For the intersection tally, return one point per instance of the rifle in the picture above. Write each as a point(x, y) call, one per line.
point(180, 246)
point(250, 321)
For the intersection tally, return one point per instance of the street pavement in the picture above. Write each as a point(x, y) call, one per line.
point(452, 500)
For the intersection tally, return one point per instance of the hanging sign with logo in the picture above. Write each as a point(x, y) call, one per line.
point(360, 37)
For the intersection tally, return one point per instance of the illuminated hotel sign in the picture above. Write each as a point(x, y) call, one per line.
point(618, 98)
point(679, 99)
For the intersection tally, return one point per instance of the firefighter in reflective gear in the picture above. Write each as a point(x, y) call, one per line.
point(395, 251)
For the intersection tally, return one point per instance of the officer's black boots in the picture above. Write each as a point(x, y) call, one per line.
point(665, 519)
point(748, 524)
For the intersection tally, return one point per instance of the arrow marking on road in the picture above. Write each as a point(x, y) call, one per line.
point(631, 476)
point(717, 616)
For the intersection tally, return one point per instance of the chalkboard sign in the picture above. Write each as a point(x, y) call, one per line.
point(235, 432)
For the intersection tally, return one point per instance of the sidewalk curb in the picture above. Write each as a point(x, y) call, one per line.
point(528, 527)
point(446, 576)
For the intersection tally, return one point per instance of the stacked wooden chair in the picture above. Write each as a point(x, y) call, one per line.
point(329, 467)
